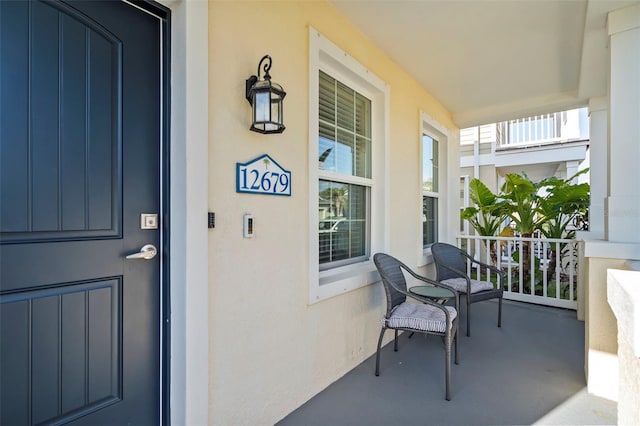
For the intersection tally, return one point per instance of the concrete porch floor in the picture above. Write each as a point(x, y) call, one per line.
point(530, 371)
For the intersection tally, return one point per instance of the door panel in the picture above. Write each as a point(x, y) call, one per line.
point(80, 120)
point(65, 140)
point(75, 328)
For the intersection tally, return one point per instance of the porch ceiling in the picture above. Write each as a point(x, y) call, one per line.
point(487, 61)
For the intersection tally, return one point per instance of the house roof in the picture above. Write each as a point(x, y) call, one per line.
point(488, 61)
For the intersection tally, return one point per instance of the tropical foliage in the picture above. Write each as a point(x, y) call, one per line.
point(548, 206)
point(488, 214)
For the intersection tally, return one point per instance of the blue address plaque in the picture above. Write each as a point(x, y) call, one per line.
point(263, 175)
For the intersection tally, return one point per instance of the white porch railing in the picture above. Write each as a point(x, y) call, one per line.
point(537, 270)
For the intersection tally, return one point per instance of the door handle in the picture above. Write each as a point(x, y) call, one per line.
point(147, 252)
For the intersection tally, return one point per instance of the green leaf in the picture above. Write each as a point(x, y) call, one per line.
point(480, 194)
point(469, 213)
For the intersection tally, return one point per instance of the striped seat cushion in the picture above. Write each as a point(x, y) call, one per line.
point(419, 317)
point(460, 284)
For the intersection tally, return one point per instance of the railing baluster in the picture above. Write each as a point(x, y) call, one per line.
point(520, 271)
point(487, 258)
point(544, 262)
point(571, 263)
point(509, 247)
point(558, 269)
point(532, 257)
point(521, 127)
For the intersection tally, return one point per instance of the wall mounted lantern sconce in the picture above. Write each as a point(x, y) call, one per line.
point(265, 98)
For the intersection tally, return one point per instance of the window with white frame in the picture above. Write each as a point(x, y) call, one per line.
point(344, 173)
point(437, 196)
point(430, 190)
point(348, 122)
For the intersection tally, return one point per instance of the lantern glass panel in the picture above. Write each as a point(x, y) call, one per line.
point(261, 106)
point(275, 110)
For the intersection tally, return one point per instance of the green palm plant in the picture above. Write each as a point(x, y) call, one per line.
point(548, 206)
point(523, 202)
point(561, 204)
point(489, 211)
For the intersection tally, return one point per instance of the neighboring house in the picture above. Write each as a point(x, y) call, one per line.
point(221, 326)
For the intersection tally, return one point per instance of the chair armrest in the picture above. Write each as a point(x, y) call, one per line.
point(430, 281)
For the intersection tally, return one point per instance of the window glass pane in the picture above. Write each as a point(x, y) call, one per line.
point(342, 210)
point(363, 116)
point(429, 223)
point(429, 164)
point(345, 107)
point(327, 105)
point(344, 152)
point(362, 158)
point(327, 147)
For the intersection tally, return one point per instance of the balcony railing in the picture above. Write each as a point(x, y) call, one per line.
point(537, 270)
point(538, 129)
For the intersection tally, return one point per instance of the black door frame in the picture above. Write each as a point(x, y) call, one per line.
point(164, 15)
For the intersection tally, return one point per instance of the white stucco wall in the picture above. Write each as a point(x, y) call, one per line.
point(269, 349)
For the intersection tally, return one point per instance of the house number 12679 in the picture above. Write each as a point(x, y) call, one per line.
point(265, 182)
point(263, 175)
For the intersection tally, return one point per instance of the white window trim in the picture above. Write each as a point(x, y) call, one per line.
point(431, 127)
point(326, 56)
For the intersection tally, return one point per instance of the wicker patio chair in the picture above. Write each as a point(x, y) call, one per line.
point(428, 317)
point(451, 267)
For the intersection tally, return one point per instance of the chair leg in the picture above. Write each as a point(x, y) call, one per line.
point(447, 351)
point(468, 316)
point(500, 312)
point(378, 351)
point(395, 341)
point(457, 341)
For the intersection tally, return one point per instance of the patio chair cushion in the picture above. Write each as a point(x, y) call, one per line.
point(419, 317)
point(460, 284)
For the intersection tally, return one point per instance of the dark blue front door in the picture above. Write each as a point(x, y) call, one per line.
point(80, 141)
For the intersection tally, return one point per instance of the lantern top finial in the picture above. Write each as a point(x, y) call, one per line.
point(266, 67)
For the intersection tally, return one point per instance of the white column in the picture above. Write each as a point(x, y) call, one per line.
point(623, 201)
point(598, 165)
